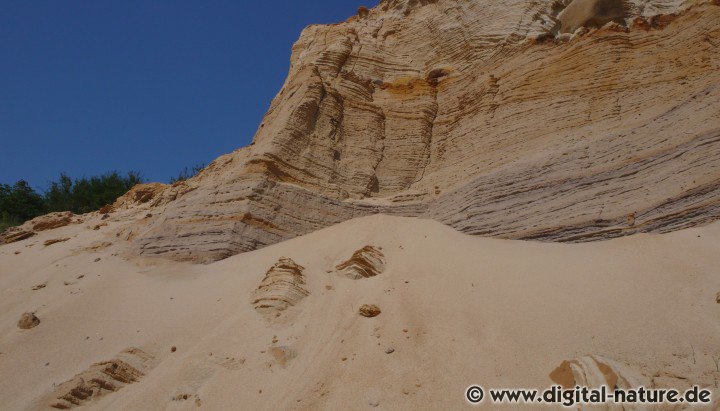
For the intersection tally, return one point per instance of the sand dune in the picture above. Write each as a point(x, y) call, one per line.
point(456, 310)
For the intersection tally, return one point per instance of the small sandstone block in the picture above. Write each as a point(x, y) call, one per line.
point(55, 241)
point(369, 310)
point(28, 321)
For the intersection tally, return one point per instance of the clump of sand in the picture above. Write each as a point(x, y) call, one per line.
point(28, 321)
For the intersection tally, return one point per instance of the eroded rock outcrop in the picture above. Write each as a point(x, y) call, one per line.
point(148, 196)
point(483, 115)
point(595, 371)
point(36, 225)
point(366, 262)
point(282, 287)
point(101, 379)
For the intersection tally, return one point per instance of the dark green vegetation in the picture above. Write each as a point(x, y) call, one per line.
point(19, 202)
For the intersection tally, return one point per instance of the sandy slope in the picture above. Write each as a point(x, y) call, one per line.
point(493, 312)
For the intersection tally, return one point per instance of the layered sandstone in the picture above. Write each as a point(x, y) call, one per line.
point(552, 120)
point(43, 223)
point(282, 287)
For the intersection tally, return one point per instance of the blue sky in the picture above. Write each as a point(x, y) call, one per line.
point(90, 86)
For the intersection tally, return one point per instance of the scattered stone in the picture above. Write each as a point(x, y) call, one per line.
point(97, 259)
point(369, 310)
point(17, 252)
point(717, 298)
point(173, 349)
point(105, 216)
point(181, 397)
point(374, 403)
point(28, 321)
point(389, 350)
point(39, 286)
point(148, 215)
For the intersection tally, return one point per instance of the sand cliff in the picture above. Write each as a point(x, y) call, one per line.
point(481, 115)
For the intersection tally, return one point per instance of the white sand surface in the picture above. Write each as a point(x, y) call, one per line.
point(457, 310)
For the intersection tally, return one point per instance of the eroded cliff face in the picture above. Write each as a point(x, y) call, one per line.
point(485, 115)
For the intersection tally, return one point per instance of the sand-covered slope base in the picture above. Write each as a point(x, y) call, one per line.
point(455, 310)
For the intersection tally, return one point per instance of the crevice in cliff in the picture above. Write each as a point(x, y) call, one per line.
point(373, 186)
point(433, 114)
point(337, 138)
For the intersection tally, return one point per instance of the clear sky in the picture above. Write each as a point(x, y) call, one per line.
point(90, 86)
